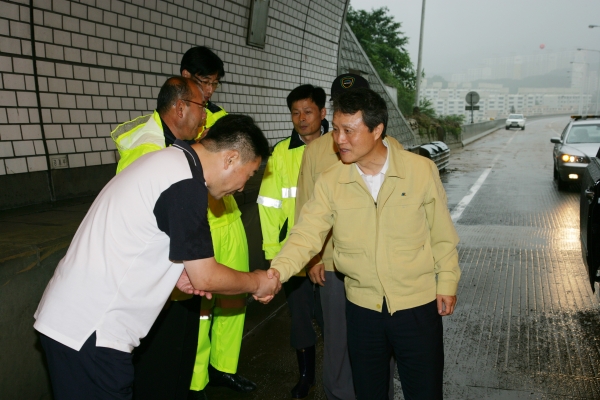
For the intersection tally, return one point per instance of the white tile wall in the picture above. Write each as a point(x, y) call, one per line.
point(24, 148)
point(6, 150)
point(76, 160)
point(92, 159)
point(15, 165)
point(37, 164)
point(65, 146)
point(10, 132)
point(102, 62)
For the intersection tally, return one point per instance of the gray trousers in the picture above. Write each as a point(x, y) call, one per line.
point(337, 372)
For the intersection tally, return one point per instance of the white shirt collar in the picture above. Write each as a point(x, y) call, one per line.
point(385, 165)
point(374, 182)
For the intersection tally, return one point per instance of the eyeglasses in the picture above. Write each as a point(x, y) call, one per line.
point(195, 102)
point(204, 82)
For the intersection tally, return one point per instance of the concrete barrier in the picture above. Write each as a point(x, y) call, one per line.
point(472, 132)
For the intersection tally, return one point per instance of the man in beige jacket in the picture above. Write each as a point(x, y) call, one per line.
point(319, 155)
point(393, 240)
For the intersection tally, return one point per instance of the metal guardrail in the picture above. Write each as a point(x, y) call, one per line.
point(438, 152)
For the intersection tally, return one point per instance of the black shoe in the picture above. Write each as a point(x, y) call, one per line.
point(231, 381)
point(306, 365)
point(197, 395)
point(302, 388)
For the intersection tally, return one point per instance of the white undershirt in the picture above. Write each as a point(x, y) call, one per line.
point(374, 182)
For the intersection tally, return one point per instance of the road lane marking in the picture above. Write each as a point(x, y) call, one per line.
point(460, 207)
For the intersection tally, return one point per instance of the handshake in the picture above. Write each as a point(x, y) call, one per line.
point(268, 285)
point(262, 285)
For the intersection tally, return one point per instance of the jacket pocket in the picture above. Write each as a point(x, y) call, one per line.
point(349, 258)
point(413, 256)
point(410, 246)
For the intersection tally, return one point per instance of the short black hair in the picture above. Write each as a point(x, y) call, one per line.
point(174, 88)
point(370, 104)
point(237, 132)
point(201, 61)
point(316, 94)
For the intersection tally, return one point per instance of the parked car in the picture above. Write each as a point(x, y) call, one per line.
point(589, 219)
point(515, 121)
point(578, 143)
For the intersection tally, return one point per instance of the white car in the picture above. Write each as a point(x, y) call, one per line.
point(515, 121)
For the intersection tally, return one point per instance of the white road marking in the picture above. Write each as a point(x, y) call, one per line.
point(460, 207)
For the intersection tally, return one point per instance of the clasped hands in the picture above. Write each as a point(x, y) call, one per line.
point(268, 285)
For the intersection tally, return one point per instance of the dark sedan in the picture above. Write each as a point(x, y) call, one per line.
point(589, 219)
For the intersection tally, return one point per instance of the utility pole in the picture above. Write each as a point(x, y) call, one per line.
point(598, 83)
point(419, 69)
point(597, 77)
point(584, 77)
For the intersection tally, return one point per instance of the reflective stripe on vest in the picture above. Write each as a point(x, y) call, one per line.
point(268, 202)
point(286, 193)
point(127, 127)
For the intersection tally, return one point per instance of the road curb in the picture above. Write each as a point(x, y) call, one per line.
point(479, 136)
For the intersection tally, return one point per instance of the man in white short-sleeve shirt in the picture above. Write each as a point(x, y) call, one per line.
point(146, 232)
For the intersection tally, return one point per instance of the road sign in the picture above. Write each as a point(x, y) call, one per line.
point(472, 98)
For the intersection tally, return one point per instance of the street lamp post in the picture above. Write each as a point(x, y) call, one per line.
point(420, 55)
point(598, 76)
point(583, 78)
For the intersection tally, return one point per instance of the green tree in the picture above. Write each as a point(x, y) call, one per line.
point(452, 123)
point(384, 44)
point(426, 118)
point(426, 107)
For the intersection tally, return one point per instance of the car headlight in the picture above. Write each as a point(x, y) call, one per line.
point(573, 159)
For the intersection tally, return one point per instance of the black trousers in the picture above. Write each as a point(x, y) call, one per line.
point(164, 361)
point(305, 304)
point(95, 373)
point(414, 336)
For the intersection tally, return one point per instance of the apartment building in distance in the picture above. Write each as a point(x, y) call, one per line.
point(496, 101)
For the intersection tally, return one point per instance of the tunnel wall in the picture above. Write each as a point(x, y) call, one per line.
point(72, 70)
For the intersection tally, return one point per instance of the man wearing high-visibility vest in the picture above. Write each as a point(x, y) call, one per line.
point(276, 206)
point(217, 353)
point(222, 318)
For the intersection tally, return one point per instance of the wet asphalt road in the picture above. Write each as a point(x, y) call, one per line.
point(527, 324)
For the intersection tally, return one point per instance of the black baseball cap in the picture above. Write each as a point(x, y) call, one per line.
point(347, 81)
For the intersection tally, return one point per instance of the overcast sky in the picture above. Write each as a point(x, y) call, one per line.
point(458, 34)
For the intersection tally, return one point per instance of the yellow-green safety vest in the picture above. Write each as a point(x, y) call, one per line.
point(145, 134)
point(277, 195)
point(137, 137)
